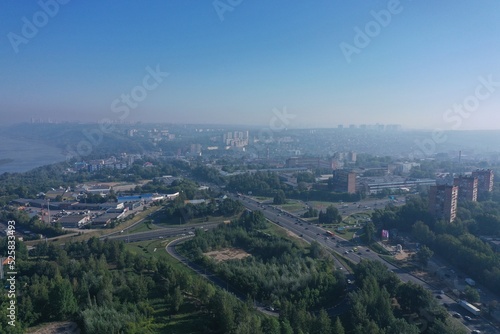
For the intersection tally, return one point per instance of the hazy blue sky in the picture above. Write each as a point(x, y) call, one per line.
point(232, 61)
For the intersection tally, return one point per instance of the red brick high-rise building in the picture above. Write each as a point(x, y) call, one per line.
point(484, 180)
point(467, 187)
point(344, 180)
point(443, 202)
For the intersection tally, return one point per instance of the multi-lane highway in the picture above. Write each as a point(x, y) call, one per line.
point(310, 232)
point(159, 233)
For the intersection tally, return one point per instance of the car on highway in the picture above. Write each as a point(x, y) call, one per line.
point(467, 318)
point(457, 315)
point(439, 297)
point(475, 331)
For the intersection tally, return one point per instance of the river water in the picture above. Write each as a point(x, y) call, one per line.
point(21, 156)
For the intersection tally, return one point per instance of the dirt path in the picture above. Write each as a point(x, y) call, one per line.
point(65, 327)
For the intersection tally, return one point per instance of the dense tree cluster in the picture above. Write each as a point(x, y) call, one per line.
point(185, 212)
point(310, 213)
point(107, 289)
point(330, 216)
point(278, 272)
point(383, 304)
point(208, 174)
point(458, 242)
point(269, 183)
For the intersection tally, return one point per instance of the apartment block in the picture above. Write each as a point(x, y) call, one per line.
point(443, 202)
point(344, 180)
point(467, 187)
point(484, 179)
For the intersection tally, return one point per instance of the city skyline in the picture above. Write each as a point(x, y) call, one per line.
point(240, 62)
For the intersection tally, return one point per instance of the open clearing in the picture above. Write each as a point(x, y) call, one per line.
point(66, 327)
point(227, 254)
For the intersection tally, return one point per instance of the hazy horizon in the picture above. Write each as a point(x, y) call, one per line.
point(255, 63)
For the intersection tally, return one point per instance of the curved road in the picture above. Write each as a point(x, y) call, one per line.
point(311, 232)
point(170, 248)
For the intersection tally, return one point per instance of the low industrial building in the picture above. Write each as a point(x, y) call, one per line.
point(73, 221)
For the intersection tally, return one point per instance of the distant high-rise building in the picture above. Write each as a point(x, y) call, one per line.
point(310, 162)
point(235, 138)
point(443, 202)
point(467, 187)
point(344, 180)
point(351, 156)
point(484, 180)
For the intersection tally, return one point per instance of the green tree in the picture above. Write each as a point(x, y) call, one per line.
point(400, 326)
point(369, 232)
point(279, 197)
point(323, 324)
point(286, 328)
point(424, 254)
point(331, 216)
point(270, 325)
point(176, 299)
point(61, 299)
point(412, 297)
point(338, 328)
point(472, 295)
point(422, 233)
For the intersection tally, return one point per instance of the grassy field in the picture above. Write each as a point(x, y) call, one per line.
point(261, 198)
point(159, 219)
point(143, 227)
point(188, 319)
point(292, 206)
point(320, 205)
point(147, 248)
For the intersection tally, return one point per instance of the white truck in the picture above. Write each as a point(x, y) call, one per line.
point(469, 307)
